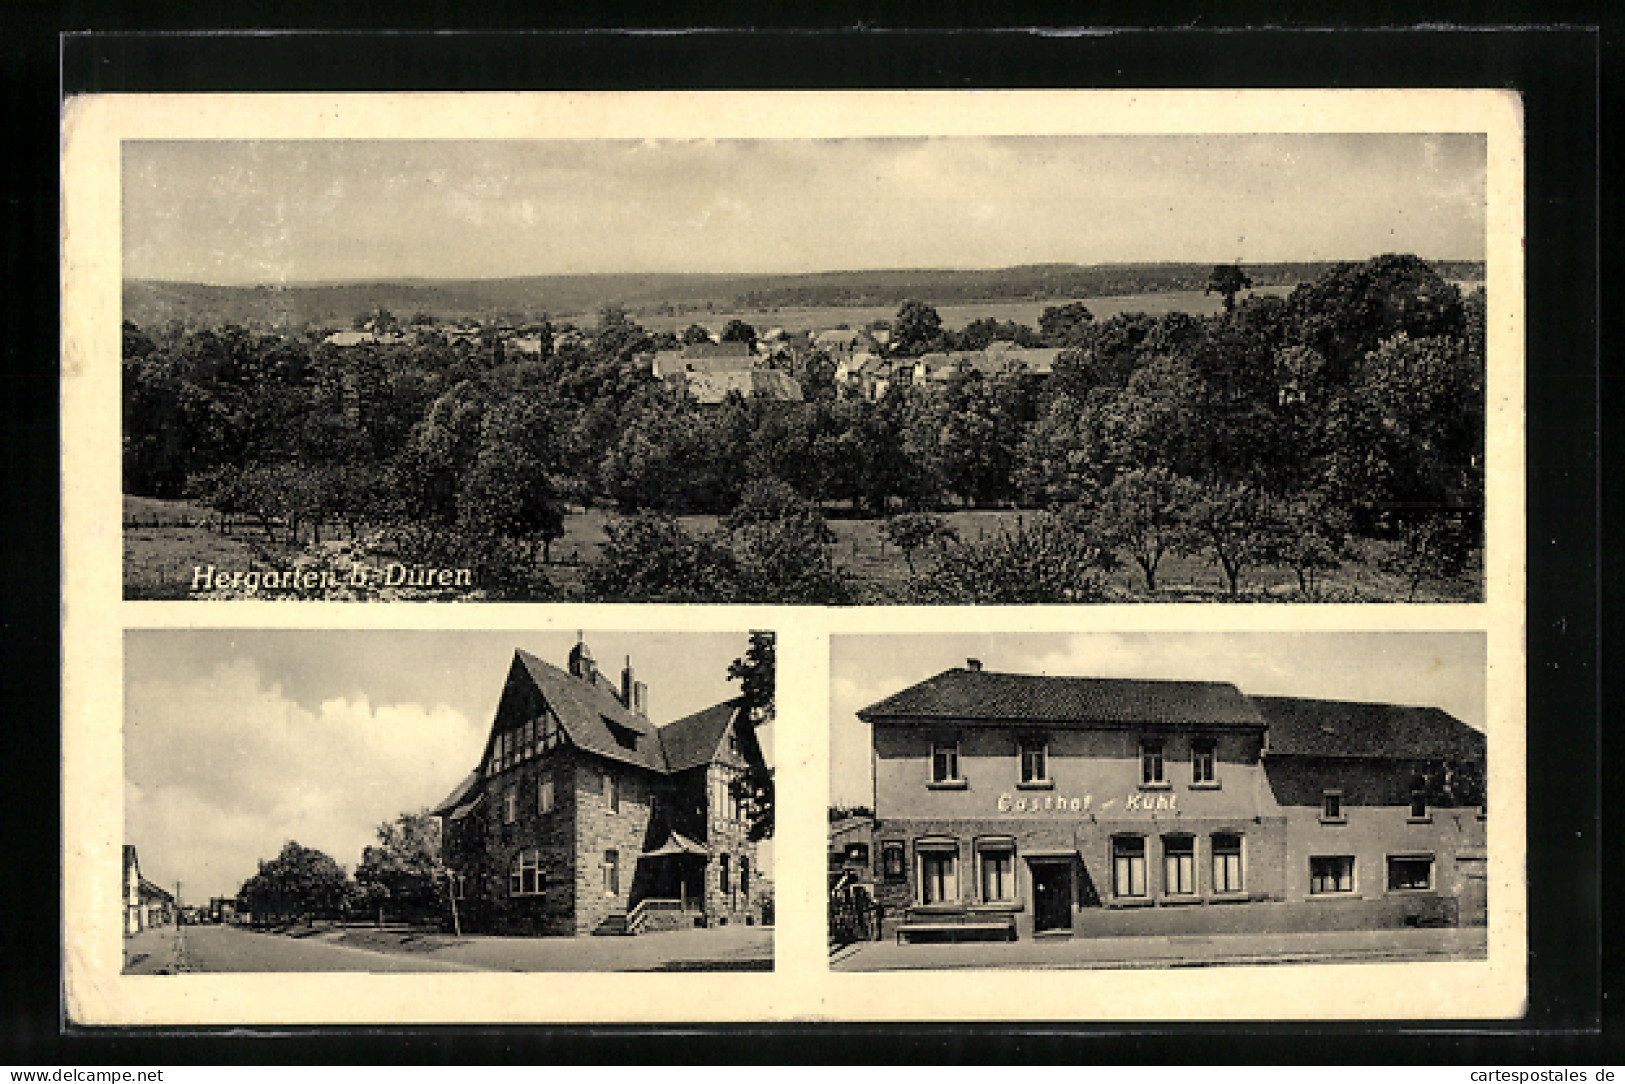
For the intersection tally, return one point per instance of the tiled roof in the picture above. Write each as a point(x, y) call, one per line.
point(693, 740)
point(971, 696)
point(713, 387)
point(1340, 728)
point(706, 351)
point(585, 711)
point(451, 800)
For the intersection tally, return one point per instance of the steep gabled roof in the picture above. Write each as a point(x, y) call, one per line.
point(587, 711)
point(1341, 728)
point(708, 351)
point(982, 696)
point(693, 740)
point(452, 800)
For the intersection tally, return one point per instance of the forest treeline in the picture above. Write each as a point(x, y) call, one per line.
point(1273, 431)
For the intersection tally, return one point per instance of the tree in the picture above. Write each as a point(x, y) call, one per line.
point(912, 530)
point(402, 870)
point(1145, 512)
point(1066, 325)
point(300, 882)
point(1313, 543)
point(757, 674)
point(737, 331)
point(695, 334)
point(1051, 561)
point(1228, 280)
point(1439, 546)
point(1237, 526)
point(916, 330)
point(650, 558)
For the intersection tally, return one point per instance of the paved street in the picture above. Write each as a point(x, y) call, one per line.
point(238, 949)
point(1168, 952)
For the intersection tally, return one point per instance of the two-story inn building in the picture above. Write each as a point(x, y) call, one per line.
point(1027, 805)
point(584, 817)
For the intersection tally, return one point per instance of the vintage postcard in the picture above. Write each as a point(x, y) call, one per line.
point(1202, 407)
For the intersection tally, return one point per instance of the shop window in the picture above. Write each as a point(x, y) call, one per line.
point(1128, 866)
point(997, 862)
point(1226, 862)
point(525, 874)
point(1410, 873)
point(1034, 761)
point(1419, 806)
point(1330, 874)
point(1331, 807)
point(544, 795)
point(939, 873)
point(1151, 768)
point(1179, 865)
point(891, 860)
point(1204, 763)
point(612, 873)
point(945, 762)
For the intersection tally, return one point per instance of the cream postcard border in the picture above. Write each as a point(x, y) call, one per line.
point(801, 986)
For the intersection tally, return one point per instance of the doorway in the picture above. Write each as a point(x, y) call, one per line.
point(1052, 896)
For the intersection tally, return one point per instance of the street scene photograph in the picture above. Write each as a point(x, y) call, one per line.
point(417, 801)
point(1027, 369)
point(1157, 800)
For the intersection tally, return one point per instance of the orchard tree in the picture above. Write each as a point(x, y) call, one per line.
point(913, 530)
point(650, 558)
point(1146, 513)
point(1237, 526)
point(1053, 560)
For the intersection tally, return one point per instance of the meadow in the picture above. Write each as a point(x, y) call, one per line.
point(165, 540)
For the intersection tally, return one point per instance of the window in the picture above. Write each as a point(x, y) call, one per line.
point(858, 853)
point(612, 873)
point(544, 795)
point(944, 762)
point(1128, 866)
point(1419, 806)
point(525, 874)
point(998, 870)
point(549, 728)
point(1226, 862)
point(744, 876)
point(528, 740)
point(722, 874)
point(510, 805)
point(1331, 873)
point(1151, 764)
point(612, 792)
point(891, 860)
point(458, 884)
point(1331, 807)
point(1410, 873)
point(1034, 760)
point(1204, 764)
point(1179, 865)
point(939, 873)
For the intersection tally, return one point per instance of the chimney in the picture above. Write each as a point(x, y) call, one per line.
point(640, 698)
point(974, 664)
point(627, 684)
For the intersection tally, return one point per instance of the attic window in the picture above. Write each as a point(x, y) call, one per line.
point(624, 736)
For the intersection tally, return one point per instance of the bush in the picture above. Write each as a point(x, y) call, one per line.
point(1052, 561)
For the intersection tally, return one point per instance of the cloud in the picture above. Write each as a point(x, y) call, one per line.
point(221, 770)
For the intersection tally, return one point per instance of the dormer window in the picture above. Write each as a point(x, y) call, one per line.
point(624, 736)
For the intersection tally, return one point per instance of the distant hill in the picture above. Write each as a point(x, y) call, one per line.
point(335, 304)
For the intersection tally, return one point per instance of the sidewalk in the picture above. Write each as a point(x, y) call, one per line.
point(1350, 946)
point(731, 948)
point(154, 951)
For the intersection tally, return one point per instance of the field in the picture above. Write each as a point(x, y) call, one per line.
point(954, 317)
point(165, 540)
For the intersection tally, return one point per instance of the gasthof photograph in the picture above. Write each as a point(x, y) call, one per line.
point(304, 800)
point(1157, 800)
point(905, 370)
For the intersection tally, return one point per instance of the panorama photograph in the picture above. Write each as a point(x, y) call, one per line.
point(305, 800)
point(849, 371)
point(1157, 800)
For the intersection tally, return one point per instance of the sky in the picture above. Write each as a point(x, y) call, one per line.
point(236, 741)
point(1426, 669)
point(238, 212)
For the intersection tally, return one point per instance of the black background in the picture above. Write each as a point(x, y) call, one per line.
point(1556, 69)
